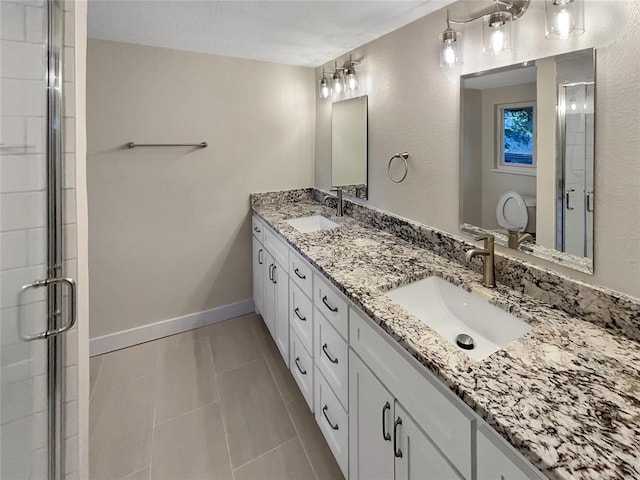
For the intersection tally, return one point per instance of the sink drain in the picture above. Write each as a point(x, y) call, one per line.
point(465, 341)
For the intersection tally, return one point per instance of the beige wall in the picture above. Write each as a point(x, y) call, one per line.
point(414, 106)
point(169, 229)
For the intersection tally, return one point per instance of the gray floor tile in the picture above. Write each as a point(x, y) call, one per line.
point(192, 446)
point(126, 364)
point(287, 462)
point(258, 326)
point(121, 423)
point(322, 460)
point(94, 368)
point(143, 474)
point(186, 379)
point(254, 412)
point(233, 343)
point(286, 383)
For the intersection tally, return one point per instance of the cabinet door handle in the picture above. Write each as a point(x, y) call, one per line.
point(260, 256)
point(589, 202)
point(396, 451)
point(303, 277)
point(304, 372)
point(297, 312)
point(273, 274)
point(333, 309)
point(385, 435)
point(568, 198)
point(331, 359)
point(324, 412)
point(256, 229)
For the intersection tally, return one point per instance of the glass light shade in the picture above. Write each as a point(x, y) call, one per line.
point(564, 18)
point(337, 83)
point(324, 88)
point(352, 78)
point(497, 33)
point(450, 45)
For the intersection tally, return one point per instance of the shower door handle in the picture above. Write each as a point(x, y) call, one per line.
point(71, 303)
point(589, 201)
point(567, 197)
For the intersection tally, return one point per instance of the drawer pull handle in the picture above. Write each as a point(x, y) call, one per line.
point(260, 256)
point(333, 309)
point(302, 277)
point(331, 359)
point(256, 229)
point(396, 451)
point(273, 274)
point(385, 435)
point(324, 412)
point(297, 312)
point(304, 372)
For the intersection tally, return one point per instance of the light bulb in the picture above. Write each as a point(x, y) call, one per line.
point(449, 55)
point(352, 78)
point(325, 91)
point(497, 41)
point(338, 86)
point(563, 23)
point(573, 106)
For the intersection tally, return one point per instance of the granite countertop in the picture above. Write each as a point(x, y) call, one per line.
point(566, 395)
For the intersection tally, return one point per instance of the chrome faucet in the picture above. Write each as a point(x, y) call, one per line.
point(338, 197)
point(515, 239)
point(488, 278)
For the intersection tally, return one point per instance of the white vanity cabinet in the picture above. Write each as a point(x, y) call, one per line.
point(258, 274)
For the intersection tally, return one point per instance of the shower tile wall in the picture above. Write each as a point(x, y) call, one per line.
point(22, 238)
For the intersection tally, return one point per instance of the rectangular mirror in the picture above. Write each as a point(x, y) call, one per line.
point(527, 157)
point(349, 146)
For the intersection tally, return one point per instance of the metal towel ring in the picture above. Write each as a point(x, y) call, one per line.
point(404, 157)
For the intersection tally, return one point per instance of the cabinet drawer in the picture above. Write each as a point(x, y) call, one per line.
point(302, 368)
point(331, 354)
point(332, 304)
point(257, 227)
point(301, 315)
point(333, 422)
point(439, 413)
point(276, 247)
point(499, 461)
point(300, 271)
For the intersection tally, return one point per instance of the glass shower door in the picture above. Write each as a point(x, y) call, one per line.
point(36, 305)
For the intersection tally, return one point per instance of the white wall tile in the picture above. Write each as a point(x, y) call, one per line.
point(11, 294)
point(22, 210)
point(70, 205)
point(69, 29)
point(70, 239)
point(71, 420)
point(12, 132)
point(18, 467)
point(35, 23)
point(71, 454)
point(71, 382)
point(36, 248)
point(23, 97)
point(22, 60)
point(13, 249)
point(68, 60)
point(32, 318)
point(12, 21)
point(69, 99)
point(24, 435)
point(39, 466)
point(20, 399)
point(69, 135)
point(36, 138)
point(69, 170)
point(22, 173)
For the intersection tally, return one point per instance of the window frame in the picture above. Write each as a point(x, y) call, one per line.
point(500, 165)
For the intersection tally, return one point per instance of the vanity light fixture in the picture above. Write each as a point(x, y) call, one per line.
point(324, 89)
point(350, 73)
point(337, 82)
point(450, 47)
point(497, 32)
point(564, 18)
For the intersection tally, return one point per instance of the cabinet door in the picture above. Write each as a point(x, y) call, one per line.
point(416, 457)
point(258, 274)
point(281, 311)
point(269, 299)
point(370, 424)
point(497, 462)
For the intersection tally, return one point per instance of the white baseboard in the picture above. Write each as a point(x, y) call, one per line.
point(146, 333)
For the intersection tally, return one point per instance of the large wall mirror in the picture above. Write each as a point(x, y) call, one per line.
point(349, 146)
point(527, 157)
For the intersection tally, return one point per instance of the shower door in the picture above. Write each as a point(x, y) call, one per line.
point(37, 303)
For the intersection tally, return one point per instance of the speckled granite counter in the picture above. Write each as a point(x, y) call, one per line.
point(566, 395)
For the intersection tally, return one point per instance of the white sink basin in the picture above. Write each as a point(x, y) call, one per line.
point(451, 310)
point(313, 223)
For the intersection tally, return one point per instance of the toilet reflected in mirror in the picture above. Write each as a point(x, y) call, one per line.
point(527, 158)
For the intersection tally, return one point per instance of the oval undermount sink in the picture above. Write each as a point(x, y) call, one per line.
point(451, 311)
point(314, 223)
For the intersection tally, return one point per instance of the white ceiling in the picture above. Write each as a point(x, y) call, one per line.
point(307, 33)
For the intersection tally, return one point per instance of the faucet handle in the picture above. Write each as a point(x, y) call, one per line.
point(487, 237)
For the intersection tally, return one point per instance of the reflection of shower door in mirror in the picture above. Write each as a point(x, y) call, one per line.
point(577, 106)
point(37, 304)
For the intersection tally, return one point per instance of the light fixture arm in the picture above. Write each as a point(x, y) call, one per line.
point(516, 8)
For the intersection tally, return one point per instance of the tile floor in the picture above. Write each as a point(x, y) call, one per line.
point(212, 403)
